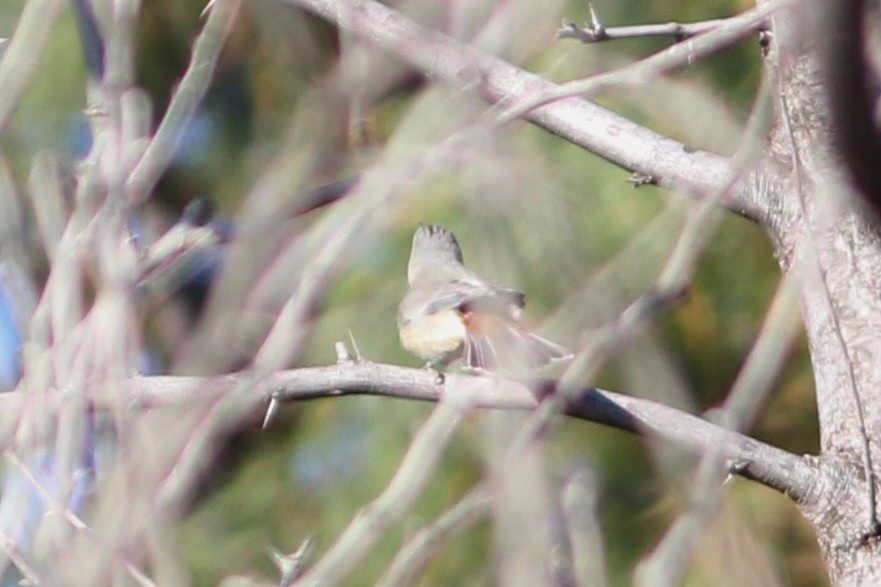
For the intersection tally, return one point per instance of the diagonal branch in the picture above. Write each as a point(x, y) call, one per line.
point(186, 99)
point(582, 122)
point(21, 57)
point(408, 483)
point(412, 558)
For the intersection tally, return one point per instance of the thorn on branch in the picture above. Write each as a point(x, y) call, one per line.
point(359, 358)
point(637, 179)
point(342, 353)
point(207, 8)
point(738, 467)
point(291, 565)
point(591, 33)
point(343, 356)
point(271, 410)
point(594, 31)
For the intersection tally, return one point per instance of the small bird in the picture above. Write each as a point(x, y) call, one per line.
point(451, 313)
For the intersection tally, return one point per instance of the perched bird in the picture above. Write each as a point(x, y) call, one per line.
point(451, 313)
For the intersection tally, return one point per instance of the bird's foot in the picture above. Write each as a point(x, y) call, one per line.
point(439, 377)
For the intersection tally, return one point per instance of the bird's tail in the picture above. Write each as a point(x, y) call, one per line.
point(511, 349)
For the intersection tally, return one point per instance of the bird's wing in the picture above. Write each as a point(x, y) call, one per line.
point(449, 296)
point(496, 344)
point(475, 294)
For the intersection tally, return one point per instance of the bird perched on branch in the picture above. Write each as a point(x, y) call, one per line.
point(451, 313)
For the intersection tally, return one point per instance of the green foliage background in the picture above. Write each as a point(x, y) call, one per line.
point(531, 211)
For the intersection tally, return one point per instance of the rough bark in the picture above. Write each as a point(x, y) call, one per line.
point(825, 233)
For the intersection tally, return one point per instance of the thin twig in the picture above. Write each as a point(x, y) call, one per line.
point(214, 420)
point(21, 57)
point(406, 486)
point(186, 98)
point(69, 515)
point(580, 504)
point(174, 249)
point(595, 32)
point(47, 495)
point(414, 555)
point(10, 549)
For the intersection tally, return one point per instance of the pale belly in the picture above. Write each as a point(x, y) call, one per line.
point(434, 337)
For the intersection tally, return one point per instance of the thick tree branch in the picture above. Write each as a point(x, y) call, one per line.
point(748, 457)
point(621, 141)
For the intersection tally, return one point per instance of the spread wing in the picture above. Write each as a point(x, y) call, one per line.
point(469, 295)
point(496, 344)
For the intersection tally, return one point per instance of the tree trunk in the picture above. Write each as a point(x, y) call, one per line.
point(825, 233)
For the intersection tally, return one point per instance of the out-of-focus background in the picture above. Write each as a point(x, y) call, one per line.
point(530, 211)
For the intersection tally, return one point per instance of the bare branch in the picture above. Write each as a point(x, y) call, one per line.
point(56, 506)
point(755, 460)
point(752, 459)
point(10, 549)
point(406, 486)
point(187, 96)
point(325, 194)
point(21, 57)
point(595, 32)
point(174, 249)
point(412, 558)
point(580, 503)
point(90, 38)
point(579, 121)
point(50, 207)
